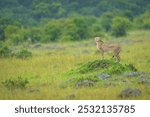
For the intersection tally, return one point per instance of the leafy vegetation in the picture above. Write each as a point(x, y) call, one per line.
point(24, 53)
point(104, 66)
point(119, 26)
point(5, 52)
point(18, 83)
point(39, 9)
point(88, 71)
point(59, 36)
point(46, 71)
point(142, 21)
point(63, 20)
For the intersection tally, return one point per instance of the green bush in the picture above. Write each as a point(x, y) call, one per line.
point(18, 83)
point(106, 21)
point(51, 31)
point(68, 29)
point(23, 54)
point(5, 52)
point(120, 26)
point(143, 21)
point(70, 33)
point(82, 27)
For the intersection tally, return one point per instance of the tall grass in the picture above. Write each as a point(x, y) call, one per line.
point(46, 70)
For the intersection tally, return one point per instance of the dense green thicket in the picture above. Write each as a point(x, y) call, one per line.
point(26, 10)
point(119, 26)
point(48, 20)
point(74, 28)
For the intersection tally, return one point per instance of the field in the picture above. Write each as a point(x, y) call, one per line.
point(46, 72)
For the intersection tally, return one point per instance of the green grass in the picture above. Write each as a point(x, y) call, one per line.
point(46, 70)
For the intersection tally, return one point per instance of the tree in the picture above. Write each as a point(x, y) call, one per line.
point(15, 34)
point(41, 9)
point(120, 26)
point(82, 27)
point(143, 21)
point(4, 22)
point(106, 20)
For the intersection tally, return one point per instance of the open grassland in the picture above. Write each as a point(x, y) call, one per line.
point(46, 70)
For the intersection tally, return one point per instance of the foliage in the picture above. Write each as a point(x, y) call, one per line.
point(67, 20)
point(143, 21)
point(4, 22)
point(18, 83)
point(16, 34)
point(87, 73)
point(119, 26)
point(35, 10)
point(106, 20)
point(76, 28)
point(51, 31)
point(34, 34)
point(23, 54)
point(104, 66)
point(5, 52)
point(88, 77)
point(47, 67)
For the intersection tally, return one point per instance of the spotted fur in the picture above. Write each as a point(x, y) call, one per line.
point(115, 48)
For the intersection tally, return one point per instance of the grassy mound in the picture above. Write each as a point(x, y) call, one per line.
point(88, 72)
point(103, 66)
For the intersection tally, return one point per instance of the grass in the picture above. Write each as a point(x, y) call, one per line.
point(46, 70)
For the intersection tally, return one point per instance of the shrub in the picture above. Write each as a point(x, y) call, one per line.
point(51, 31)
point(120, 26)
point(16, 35)
point(82, 27)
point(5, 52)
point(70, 32)
point(23, 54)
point(142, 21)
point(106, 21)
point(18, 83)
